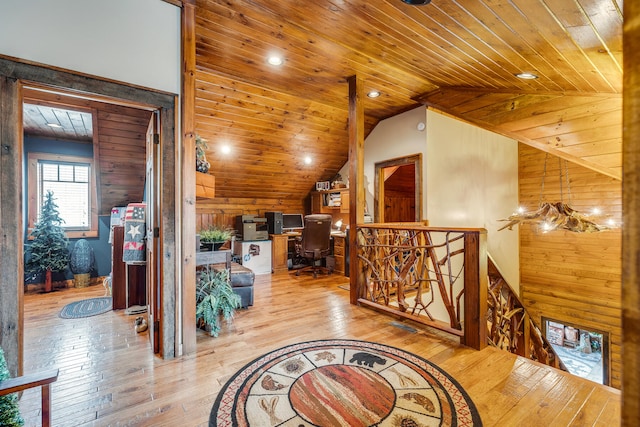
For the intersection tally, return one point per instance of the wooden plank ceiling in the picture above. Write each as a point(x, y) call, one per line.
point(460, 57)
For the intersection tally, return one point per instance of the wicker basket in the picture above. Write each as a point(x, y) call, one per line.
point(82, 280)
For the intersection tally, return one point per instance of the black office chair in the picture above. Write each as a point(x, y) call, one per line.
point(315, 244)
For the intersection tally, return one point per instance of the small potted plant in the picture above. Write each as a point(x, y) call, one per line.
point(81, 263)
point(214, 237)
point(215, 300)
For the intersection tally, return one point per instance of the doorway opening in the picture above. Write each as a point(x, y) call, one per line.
point(15, 76)
point(583, 351)
point(398, 189)
point(112, 140)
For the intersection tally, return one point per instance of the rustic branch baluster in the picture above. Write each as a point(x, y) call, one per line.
point(507, 320)
point(401, 263)
point(408, 270)
point(446, 296)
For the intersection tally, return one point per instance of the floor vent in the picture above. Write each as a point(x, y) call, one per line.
point(403, 326)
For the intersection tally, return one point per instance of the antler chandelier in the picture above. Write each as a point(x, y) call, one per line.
point(557, 215)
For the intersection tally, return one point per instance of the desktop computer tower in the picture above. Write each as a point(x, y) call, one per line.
point(274, 222)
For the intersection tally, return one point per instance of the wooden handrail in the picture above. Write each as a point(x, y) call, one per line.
point(413, 271)
point(509, 326)
point(425, 274)
point(39, 379)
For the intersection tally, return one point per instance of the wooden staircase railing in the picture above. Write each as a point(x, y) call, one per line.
point(434, 276)
point(444, 278)
point(509, 326)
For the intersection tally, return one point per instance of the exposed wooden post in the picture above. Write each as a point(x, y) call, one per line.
point(11, 243)
point(356, 177)
point(188, 173)
point(631, 216)
point(476, 289)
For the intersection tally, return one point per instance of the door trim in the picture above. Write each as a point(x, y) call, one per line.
point(13, 76)
point(416, 160)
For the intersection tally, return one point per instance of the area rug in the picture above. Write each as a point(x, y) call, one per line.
point(342, 383)
point(86, 308)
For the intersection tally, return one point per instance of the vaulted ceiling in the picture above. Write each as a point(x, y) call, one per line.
point(460, 57)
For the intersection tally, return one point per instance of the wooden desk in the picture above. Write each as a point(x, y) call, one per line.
point(338, 252)
point(279, 252)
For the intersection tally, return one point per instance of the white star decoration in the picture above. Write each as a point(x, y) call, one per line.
point(134, 231)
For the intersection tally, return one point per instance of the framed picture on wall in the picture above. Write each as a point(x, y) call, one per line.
point(323, 185)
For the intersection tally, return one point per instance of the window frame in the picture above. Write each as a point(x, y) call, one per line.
point(32, 188)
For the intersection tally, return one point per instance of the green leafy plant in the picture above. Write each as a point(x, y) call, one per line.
point(48, 251)
point(216, 234)
point(215, 299)
point(9, 410)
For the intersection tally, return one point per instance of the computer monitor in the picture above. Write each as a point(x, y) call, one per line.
point(292, 222)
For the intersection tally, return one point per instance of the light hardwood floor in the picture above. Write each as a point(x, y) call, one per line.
point(108, 376)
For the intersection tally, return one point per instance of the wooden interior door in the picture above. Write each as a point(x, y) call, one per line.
point(399, 194)
point(154, 279)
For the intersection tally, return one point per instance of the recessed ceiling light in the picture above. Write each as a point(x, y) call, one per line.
point(417, 2)
point(373, 94)
point(275, 60)
point(226, 149)
point(307, 160)
point(526, 76)
point(54, 125)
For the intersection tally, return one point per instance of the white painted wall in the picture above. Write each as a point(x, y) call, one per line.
point(470, 176)
point(394, 137)
point(472, 181)
point(132, 41)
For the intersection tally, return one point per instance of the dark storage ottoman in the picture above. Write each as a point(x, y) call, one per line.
point(241, 281)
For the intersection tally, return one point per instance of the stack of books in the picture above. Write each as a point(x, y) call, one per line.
point(334, 199)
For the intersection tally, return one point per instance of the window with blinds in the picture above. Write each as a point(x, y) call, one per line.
point(72, 180)
point(69, 183)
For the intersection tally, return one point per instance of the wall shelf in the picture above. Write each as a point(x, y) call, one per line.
point(205, 186)
point(321, 201)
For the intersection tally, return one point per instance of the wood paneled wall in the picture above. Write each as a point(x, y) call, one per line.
point(566, 276)
point(122, 154)
point(223, 211)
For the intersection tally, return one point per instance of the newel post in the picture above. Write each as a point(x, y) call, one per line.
point(475, 289)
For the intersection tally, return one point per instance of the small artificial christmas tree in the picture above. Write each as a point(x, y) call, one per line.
point(9, 411)
point(48, 250)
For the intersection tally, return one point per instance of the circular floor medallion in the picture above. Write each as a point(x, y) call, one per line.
point(342, 383)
